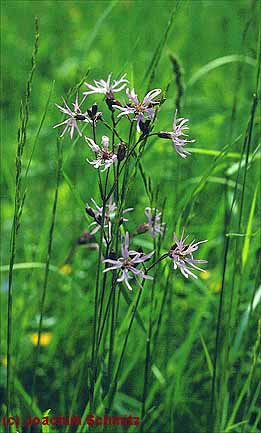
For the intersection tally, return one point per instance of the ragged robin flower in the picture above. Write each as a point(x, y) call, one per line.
point(75, 115)
point(108, 87)
point(104, 156)
point(127, 265)
point(182, 256)
point(178, 136)
point(142, 110)
point(110, 213)
point(154, 224)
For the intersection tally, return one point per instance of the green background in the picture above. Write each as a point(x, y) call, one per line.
point(102, 37)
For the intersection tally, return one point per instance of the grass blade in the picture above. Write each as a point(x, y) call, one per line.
point(220, 62)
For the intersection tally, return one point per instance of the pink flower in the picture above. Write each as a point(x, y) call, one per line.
point(127, 264)
point(75, 116)
point(182, 256)
point(105, 157)
point(154, 224)
point(178, 135)
point(142, 110)
point(107, 87)
point(110, 212)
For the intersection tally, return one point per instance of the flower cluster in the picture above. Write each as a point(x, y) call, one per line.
point(142, 111)
point(114, 155)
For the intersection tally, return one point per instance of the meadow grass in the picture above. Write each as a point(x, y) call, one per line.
point(182, 355)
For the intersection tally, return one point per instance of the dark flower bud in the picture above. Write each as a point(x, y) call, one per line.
point(98, 219)
point(80, 117)
point(112, 255)
point(85, 238)
point(94, 109)
point(163, 134)
point(110, 101)
point(90, 211)
point(142, 228)
point(121, 151)
point(145, 127)
point(93, 113)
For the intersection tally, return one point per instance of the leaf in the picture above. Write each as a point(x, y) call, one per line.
point(214, 152)
point(207, 355)
point(75, 192)
point(98, 26)
point(39, 130)
point(245, 319)
point(26, 398)
point(157, 373)
point(46, 428)
point(232, 427)
point(128, 300)
point(220, 62)
point(31, 265)
point(150, 72)
point(245, 249)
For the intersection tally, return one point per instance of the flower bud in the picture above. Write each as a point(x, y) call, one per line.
point(121, 221)
point(145, 127)
point(163, 134)
point(93, 113)
point(84, 239)
point(142, 228)
point(121, 151)
point(80, 117)
point(112, 255)
point(94, 109)
point(90, 211)
point(110, 101)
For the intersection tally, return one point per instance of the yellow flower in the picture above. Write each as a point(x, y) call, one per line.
point(205, 275)
point(66, 269)
point(4, 361)
point(45, 339)
point(215, 286)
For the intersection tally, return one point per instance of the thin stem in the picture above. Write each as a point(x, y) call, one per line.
point(47, 263)
point(148, 353)
point(114, 131)
point(115, 380)
point(157, 261)
point(129, 153)
point(99, 174)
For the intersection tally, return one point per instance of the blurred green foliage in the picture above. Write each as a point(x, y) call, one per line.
point(100, 37)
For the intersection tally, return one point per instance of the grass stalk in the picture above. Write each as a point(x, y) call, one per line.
point(48, 260)
point(19, 201)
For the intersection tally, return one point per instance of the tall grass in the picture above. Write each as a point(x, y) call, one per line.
point(19, 200)
point(182, 355)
